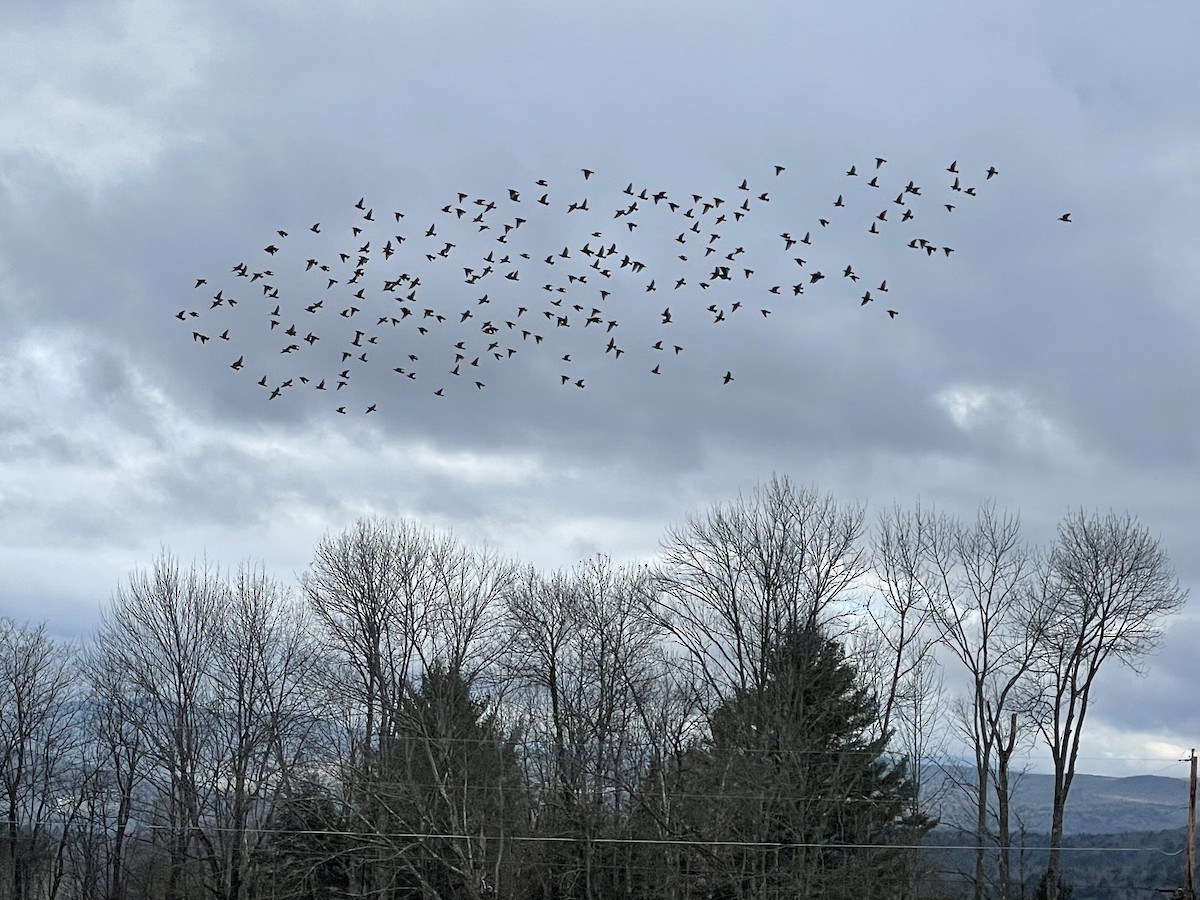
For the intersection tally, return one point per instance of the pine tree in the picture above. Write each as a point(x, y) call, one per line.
point(1062, 891)
point(454, 784)
point(792, 774)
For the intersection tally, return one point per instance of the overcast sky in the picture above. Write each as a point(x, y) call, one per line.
point(1047, 365)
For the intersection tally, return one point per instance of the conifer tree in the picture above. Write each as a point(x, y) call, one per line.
point(796, 777)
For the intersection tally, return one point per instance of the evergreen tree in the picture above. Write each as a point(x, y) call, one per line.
point(307, 859)
point(455, 792)
point(1062, 891)
point(812, 803)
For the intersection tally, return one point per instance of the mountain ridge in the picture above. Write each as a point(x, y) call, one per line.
point(1096, 804)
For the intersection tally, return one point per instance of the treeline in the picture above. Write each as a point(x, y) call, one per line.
point(748, 717)
point(1127, 866)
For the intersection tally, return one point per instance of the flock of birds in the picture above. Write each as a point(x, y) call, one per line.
point(446, 301)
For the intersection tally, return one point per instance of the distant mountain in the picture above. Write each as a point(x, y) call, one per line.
point(1097, 804)
point(1127, 866)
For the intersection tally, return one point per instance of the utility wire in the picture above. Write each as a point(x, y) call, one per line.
point(619, 841)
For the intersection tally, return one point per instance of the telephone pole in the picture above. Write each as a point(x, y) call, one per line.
point(1189, 891)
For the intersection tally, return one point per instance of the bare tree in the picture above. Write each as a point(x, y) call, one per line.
point(894, 648)
point(674, 726)
point(367, 588)
point(398, 604)
point(119, 733)
point(899, 628)
point(41, 781)
point(736, 578)
point(920, 731)
point(466, 616)
point(159, 636)
point(1109, 585)
point(202, 686)
point(976, 584)
point(586, 659)
point(265, 715)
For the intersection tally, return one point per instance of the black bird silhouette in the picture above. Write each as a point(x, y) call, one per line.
point(579, 272)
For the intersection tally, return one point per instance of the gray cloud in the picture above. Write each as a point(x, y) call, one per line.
point(1047, 365)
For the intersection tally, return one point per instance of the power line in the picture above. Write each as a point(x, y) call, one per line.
point(615, 841)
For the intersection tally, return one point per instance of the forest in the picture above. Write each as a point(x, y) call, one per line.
point(753, 714)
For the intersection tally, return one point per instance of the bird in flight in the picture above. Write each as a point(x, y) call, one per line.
point(479, 289)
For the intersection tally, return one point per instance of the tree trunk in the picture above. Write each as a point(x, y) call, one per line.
point(1004, 752)
point(1054, 867)
point(981, 831)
